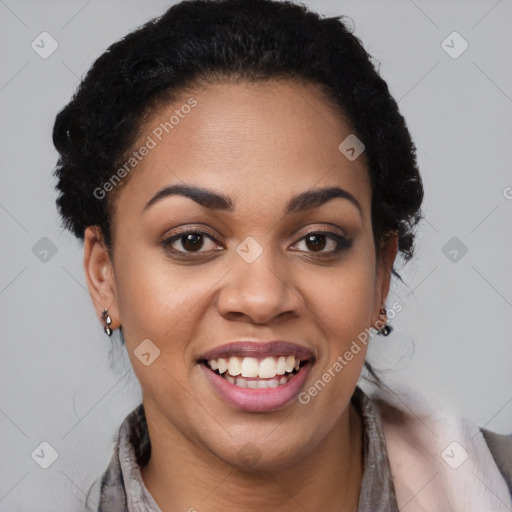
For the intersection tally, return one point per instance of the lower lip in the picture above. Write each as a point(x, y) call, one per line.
point(257, 400)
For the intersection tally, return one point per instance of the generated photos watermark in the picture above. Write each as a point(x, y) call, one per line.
point(157, 135)
point(343, 360)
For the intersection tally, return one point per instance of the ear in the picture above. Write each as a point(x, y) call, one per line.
point(100, 275)
point(388, 252)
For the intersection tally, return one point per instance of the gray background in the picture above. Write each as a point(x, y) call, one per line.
point(61, 381)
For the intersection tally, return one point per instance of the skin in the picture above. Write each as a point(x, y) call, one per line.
point(259, 144)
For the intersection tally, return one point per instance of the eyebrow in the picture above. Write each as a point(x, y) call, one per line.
point(209, 199)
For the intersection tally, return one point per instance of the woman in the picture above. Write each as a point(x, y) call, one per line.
point(243, 182)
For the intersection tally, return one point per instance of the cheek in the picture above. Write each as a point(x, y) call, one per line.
point(344, 307)
point(164, 303)
point(150, 293)
point(344, 315)
point(153, 301)
point(346, 301)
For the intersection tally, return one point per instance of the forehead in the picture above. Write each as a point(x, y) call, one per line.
point(268, 139)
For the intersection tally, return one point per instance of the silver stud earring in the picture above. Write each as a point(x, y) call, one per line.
point(108, 322)
point(384, 331)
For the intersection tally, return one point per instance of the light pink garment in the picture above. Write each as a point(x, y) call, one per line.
point(440, 462)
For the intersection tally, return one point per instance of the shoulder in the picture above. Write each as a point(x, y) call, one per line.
point(500, 447)
point(410, 418)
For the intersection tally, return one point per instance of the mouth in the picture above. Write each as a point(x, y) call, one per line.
point(256, 373)
point(257, 376)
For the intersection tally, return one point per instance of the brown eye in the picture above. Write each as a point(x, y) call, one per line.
point(324, 243)
point(192, 242)
point(316, 242)
point(189, 242)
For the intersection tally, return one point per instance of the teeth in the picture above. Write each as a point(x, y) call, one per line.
point(234, 366)
point(267, 368)
point(265, 384)
point(256, 384)
point(252, 367)
point(222, 365)
point(241, 383)
point(280, 366)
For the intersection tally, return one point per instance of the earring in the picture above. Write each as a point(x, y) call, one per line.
point(384, 331)
point(108, 322)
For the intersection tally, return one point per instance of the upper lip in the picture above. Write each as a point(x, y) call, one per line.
point(250, 348)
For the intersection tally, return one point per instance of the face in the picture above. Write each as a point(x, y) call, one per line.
point(258, 271)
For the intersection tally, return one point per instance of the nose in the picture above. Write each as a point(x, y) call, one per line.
point(261, 292)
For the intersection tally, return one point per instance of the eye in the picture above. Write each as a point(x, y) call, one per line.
point(324, 242)
point(189, 242)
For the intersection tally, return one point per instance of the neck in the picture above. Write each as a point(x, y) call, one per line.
point(328, 478)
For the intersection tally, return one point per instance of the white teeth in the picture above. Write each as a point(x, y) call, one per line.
point(241, 383)
point(250, 367)
point(222, 365)
point(281, 366)
point(267, 368)
point(256, 384)
point(265, 384)
point(234, 366)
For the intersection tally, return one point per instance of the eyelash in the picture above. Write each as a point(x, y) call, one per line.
point(342, 243)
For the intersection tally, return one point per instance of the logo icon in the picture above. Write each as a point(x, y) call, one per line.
point(249, 454)
point(44, 249)
point(351, 147)
point(454, 45)
point(454, 249)
point(44, 45)
point(454, 455)
point(146, 352)
point(249, 250)
point(44, 455)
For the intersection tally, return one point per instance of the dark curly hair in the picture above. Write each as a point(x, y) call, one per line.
point(198, 42)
